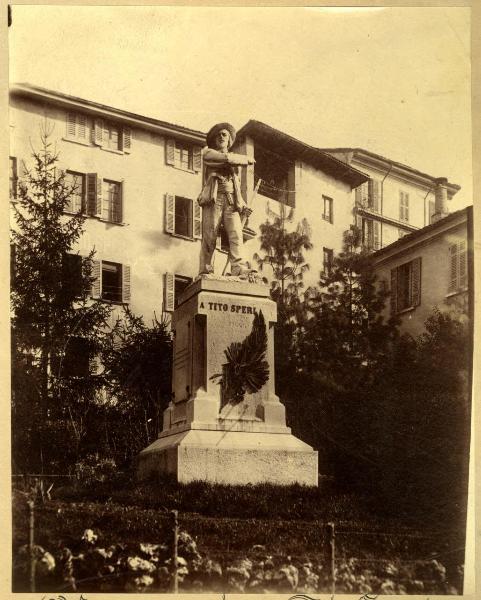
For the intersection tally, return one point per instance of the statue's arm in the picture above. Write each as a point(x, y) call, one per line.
point(214, 158)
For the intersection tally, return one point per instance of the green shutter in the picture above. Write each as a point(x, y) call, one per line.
point(197, 155)
point(126, 284)
point(169, 219)
point(126, 139)
point(97, 279)
point(416, 282)
point(169, 292)
point(197, 220)
point(170, 151)
point(394, 291)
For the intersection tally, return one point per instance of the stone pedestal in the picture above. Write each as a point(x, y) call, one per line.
point(205, 436)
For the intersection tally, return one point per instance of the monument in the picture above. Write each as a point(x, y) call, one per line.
point(225, 423)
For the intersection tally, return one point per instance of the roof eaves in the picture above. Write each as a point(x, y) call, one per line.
point(133, 118)
point(304, 150)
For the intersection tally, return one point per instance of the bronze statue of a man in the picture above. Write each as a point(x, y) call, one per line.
point(221, 199)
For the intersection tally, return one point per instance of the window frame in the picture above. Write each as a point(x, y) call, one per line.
point(83, 198)
point(411, 272)
point(404, 206)
point(328, 203)
point(109, 207)
point(327, 265)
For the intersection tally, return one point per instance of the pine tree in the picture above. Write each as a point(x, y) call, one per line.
point(51, 312)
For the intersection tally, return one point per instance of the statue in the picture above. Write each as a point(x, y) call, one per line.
point(221, 200)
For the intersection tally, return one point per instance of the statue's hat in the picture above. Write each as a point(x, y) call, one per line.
point(213, 131)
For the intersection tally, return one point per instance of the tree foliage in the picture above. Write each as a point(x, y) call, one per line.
point(51, 311)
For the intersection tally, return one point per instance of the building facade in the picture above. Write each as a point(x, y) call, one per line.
point(430, 268)
point(396, 200)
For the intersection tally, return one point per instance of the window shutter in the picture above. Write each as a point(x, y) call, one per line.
point(394, 291)
point(92, 194)
point(98, 132)
point(197, 220)
point(169, 292)
point(120, 207)
point(126, 283)
point(126, 139)
point(374, 194)
point(169, 220)
point(98, 203)
point(170, 151)
point(81, 127)
point(71, 121)
point(453, 268)
point(463, 274)
point(97, 279)
point(197, 152)
point(416, 282)
point(376, 237)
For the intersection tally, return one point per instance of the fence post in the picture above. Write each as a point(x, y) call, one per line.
point(332, 555)
point(175, 532)
point(31, 530)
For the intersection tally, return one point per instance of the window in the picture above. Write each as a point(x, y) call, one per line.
point(327, 213)
point(77, 128)
point(327, 259)
point(367, 195)
point(76, 360)
point(111, 201)
point(406, 286)
point(76, 201)
point(174, 285)
point(111, 281)
point(13, 178)
point(403, 206)
point(112, 136)
point(183, 155)
point(277, 175)
point(370, 234)
point(362, 195)
point(182, 216)
point(458, 267)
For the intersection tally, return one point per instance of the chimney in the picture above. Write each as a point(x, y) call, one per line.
point(440, 199)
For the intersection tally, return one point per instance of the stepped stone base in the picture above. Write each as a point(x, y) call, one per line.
point(230, 457)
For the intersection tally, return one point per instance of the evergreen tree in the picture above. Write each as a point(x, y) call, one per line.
point(55, 323)
point(138, 376)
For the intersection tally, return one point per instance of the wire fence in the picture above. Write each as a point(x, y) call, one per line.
point(193, 553)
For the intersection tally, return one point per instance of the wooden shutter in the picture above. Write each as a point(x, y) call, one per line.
point(169, 292)
point(120, 207)
point(453, 268)
point(81, 127)
point(170, 151)
point(416, 282)
point(463, 271)
point(197, 220)
point(98, 205)
point(71, 122)
point(126, 283)
point(169, 219)
point(98, 132)
point(197, 158)
point(92, 180)
point(375, 236)
point(97, 279)
point(394, 291)
point(126, 139)
point(374, 194)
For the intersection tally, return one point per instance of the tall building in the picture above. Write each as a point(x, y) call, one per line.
point(396, 200)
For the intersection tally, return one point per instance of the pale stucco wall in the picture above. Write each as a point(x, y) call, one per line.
point(435, 276)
